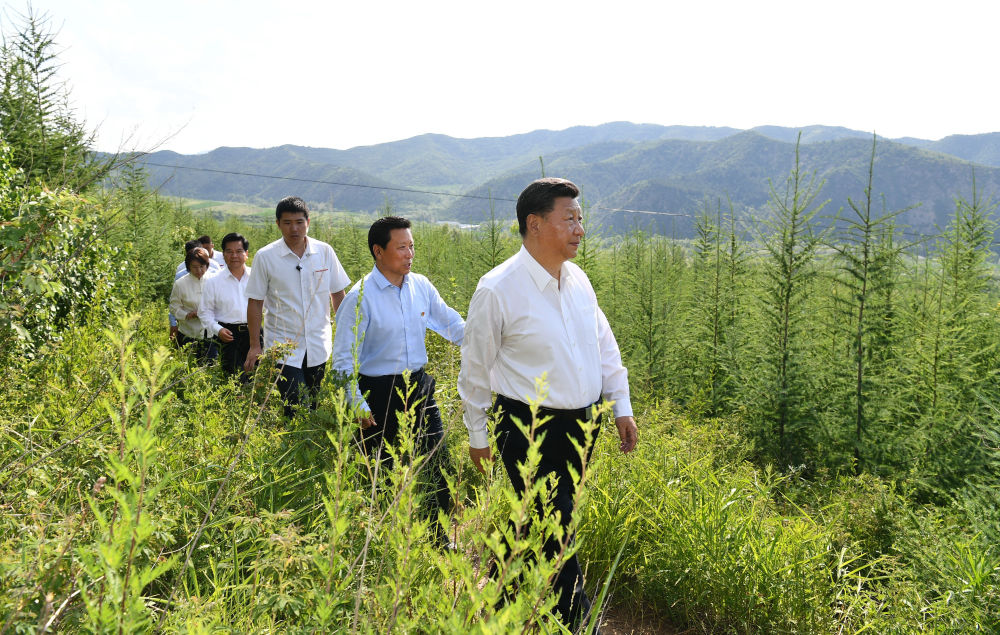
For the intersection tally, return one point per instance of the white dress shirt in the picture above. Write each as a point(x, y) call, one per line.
point(296, 294)
point(223, 299)
point(391, 326)
point(523, 323)
point(185, 296)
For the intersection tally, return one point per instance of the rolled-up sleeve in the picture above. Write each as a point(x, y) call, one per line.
point(480, 346)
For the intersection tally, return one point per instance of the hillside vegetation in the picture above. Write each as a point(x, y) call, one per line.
point(670, 170)
point(819, 418)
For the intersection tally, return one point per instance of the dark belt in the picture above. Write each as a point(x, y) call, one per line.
point(235, 327)
point(415, 376)
point(575, 414)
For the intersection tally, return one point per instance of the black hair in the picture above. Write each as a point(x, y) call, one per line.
point(292, 205)
point(380, 231)
point(191, 244)
point(205, 240)
point(540, 197)
point(192, 256)
point(234, 237)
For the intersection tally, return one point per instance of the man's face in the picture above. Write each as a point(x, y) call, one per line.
point(234, 255)
point(560, 231)
point(209, 247)
point(294, 226)
point(397, 257)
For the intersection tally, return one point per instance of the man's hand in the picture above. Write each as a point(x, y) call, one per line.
point(252, 356)
point(627, 432)
point(173, 333)
point(366, 422)
point(478, 456)
point(225, 335)
point(192, 314)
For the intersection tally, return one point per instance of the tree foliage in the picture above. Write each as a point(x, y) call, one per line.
point(48, 142)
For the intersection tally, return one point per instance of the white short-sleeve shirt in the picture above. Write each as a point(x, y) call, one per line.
point(296, 294)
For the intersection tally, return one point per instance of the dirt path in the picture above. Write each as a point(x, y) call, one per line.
point(625, 621)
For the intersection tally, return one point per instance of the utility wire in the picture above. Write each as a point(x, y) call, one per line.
point(437, 193)
point(295, 178)
point(394, 189)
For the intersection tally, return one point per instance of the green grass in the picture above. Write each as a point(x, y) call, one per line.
point(221, 514)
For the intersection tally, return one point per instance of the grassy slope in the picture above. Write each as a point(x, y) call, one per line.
point(289, 535)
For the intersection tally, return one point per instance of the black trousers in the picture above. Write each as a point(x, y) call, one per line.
point(557, 454)
point(300, 384)
point(205, 350)
point(233, 354)
point(383, 398)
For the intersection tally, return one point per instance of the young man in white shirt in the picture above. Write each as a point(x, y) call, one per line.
point(296, 279)
point(536, 314)
point(386, 334)
point(209, 246)
point(223, 308)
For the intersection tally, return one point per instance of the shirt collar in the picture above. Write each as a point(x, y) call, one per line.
point(382, 282)
point(538, 274)
point(246, 274)
point(286, 250)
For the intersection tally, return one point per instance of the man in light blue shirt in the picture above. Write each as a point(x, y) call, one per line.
point(382, 322)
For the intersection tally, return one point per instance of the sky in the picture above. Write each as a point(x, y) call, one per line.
point(191, 76)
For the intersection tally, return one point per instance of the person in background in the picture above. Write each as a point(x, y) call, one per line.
point(180, 272)
point(206, 243)
point(215, 264)
point(397, 307)
point(295, 279)
point(223, 308)
point(185, 296)
point(534, 316)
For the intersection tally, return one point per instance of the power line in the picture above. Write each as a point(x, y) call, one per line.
point(302, 180)
point(395, 189)
point(437, 193)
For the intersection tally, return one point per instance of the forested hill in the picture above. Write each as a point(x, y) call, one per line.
point(619, 165)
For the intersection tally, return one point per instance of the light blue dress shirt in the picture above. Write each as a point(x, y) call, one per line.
point(391, 325)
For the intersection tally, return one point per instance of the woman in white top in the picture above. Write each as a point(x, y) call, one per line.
point(184, 299)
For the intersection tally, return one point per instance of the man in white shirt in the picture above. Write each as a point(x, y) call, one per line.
point(209, 246)
point(296, 279)
point(223, 308)
point(536, 315)
point(386, 336)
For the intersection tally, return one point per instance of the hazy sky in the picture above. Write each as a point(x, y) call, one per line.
point(190, 76)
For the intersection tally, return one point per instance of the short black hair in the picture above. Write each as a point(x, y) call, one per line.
point(191, 244)
point(292, 205)
point(195, 255)
point(205, 240)
point(232, 237)
point(380, 231)
point(540, 197)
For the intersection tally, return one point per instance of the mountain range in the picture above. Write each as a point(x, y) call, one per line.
point(632, 175)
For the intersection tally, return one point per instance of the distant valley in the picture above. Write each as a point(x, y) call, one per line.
point(625, 171)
